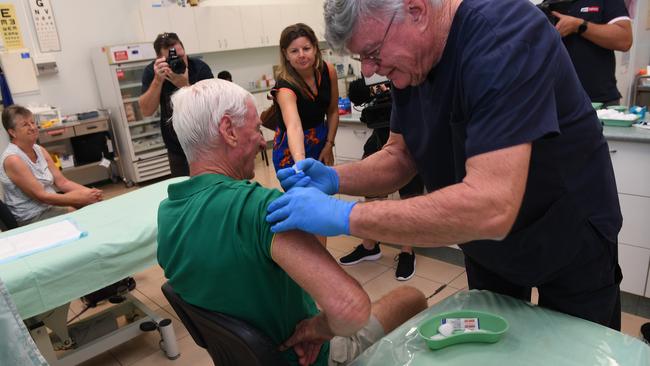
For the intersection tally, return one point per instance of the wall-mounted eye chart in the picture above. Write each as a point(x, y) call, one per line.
point(45, 26)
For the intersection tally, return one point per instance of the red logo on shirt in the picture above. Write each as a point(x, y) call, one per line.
point(590, 9)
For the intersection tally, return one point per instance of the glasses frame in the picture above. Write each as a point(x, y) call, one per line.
point(375, 56)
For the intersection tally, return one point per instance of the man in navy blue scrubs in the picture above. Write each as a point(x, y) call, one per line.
point(489, 111)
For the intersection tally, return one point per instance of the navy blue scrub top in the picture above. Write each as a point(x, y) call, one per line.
point(505, 79)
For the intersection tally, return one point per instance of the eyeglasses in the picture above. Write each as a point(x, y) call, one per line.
point(374, 56)
point(167, 35)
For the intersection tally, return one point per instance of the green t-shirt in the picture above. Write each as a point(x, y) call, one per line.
point(215, 247)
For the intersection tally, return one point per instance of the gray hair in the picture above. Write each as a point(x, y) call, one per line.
point(341, 17)
point(198, 110)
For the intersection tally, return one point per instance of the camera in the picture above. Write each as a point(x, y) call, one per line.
point(176, 64)
point(377, 101)
point(561, 6)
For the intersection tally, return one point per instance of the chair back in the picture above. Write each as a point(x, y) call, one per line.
point(228, 340)
point(7, 219)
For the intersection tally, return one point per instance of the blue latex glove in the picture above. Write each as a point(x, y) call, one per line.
point(310, 210)
point(321, 176)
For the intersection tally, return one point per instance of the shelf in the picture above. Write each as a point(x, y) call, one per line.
point(129, 100)
point(129, 85)
point(144, 121)
point(147, 148)
point(144, 134)
point(80, 167)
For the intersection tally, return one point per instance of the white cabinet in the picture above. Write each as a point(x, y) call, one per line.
point(253, 26)
point(634, 263)
point(311, 13)
point(349, 141)
point(632, 170)
point(182, 23)
point(219, 28)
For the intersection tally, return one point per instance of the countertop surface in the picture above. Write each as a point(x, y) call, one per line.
point(631, 134)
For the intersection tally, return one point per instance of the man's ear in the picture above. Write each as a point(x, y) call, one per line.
point(227, 131)
point(416, 11)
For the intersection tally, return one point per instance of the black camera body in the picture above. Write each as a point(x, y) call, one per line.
point(176, 64)
point(378, 105)
point(561, 6)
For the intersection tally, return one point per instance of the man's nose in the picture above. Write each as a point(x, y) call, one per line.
point(368, 68)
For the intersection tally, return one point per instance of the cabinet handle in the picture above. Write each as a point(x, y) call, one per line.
point(91, 127)
point(225, 42)
point(267, 39)
point(612, 151)
point(219, 43)
point(56, 133)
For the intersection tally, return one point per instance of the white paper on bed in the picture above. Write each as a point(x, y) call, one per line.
point(39, 239)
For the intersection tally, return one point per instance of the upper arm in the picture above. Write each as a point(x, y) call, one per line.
point(23, 178)
point(334, 81)
point(147, 78)
point(498, 178)
point(305, 260)
point(287, 101)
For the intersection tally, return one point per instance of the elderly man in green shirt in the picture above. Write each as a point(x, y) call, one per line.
point(219, 253)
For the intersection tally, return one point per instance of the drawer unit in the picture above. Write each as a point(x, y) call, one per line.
point(631, 162)
point(635, 230)
point(152, 168)
point(634, 262)
point(350, 139)
point(55, 134)
point(91, 127)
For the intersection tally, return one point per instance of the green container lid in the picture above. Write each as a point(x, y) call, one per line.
point(618, 122)
point(491, 328)
point(596, 105)
point(618, 108)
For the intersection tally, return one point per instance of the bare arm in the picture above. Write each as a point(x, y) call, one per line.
point(22, 177)
point(381, 173)
point(615, 36)
point(327, 155)
point(345, 305)
point(483, 206)
point(60, 181)
point(287, 101)
point(150, 100)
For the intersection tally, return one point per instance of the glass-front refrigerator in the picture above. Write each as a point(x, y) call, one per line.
point(118, 70)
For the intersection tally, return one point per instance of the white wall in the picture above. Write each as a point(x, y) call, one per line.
point(629, 63)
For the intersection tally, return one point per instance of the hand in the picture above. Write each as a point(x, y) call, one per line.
point(321, 177)
point(310, 210)
point(566, 24)
point(161, 69)
point(83, 197)
point(307, 339)
point(327, 156)
point(179, 80)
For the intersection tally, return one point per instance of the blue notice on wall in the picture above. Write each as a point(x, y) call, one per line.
point(24, 55)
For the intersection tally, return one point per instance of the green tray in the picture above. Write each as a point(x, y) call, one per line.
point(618, 122)
point(491, 328)
point(596, 105)
point(618, 108)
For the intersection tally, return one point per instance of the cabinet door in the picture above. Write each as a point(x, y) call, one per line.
point(311, 13)
point(275, 19)
point(631, 166)
point(155, 20)
point(183, 23)
point(207, 28)
point(253, 26)
point(634, 263)
point(229, 27)
point(349, 141)
point(635, 230)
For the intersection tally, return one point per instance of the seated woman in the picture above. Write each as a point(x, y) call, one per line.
point(29, 177)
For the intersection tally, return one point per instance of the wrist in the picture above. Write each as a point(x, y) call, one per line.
point(346, 212)
point(329, 143)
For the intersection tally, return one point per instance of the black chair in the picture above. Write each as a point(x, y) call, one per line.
point(229, 341)
point(7, 219)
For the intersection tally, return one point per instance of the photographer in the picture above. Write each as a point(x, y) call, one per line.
point(172, 70)
point(376, 115)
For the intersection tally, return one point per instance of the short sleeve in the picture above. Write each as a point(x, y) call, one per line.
point(614, 9)
point(508, 90)
point(257, 203)
point(205, 72)
point(147, 77)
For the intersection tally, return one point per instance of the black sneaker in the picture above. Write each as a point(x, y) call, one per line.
point(645, 332)
point(405, 266)
point(360, 254)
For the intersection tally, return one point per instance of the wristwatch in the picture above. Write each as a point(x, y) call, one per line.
point(583, 27)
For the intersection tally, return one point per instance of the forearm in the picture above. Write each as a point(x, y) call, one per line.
point(332, 125)
point(59, 199)
point(296, 138)
point(150, 100)
point(68, 186)
point(381, 173)
point(452, 215)
point(610, 36)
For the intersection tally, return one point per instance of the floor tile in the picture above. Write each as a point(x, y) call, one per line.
point(460, 281)
point(386, 282)
point(191, 354)
point(436, 270)
point(366, 271)
point(104, 359)
point(631, 324)
point(443, 294)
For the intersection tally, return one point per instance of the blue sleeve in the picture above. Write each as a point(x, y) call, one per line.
point(508, 86)
point(147, 77)
point(614, 9)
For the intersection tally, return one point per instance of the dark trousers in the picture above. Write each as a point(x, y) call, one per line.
point(586, 289)
point(178, 164)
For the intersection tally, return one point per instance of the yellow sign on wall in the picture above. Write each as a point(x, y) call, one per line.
point(11, 35)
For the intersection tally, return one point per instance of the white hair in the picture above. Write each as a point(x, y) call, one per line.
point(198, 110)
point(341, 17)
